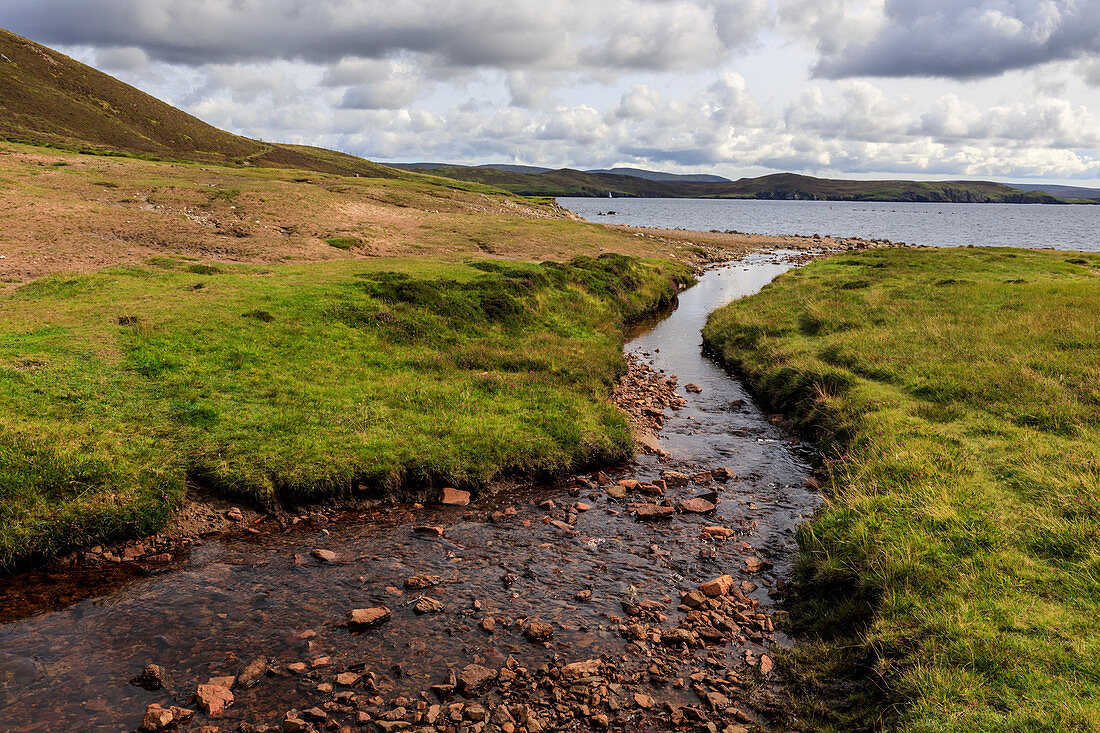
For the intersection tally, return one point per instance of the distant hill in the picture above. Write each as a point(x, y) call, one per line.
point(47, 98)
point(1063, 192)
point(664, 177)
point(779, 186)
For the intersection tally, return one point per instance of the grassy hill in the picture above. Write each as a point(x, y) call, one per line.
point(47, 98)
point(780, 186)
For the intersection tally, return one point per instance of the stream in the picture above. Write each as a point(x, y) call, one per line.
point(235, 598)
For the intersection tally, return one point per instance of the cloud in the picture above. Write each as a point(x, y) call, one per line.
point(965, 39)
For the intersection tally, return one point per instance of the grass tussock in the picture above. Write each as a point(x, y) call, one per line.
point(956, 397)
point(297, 384)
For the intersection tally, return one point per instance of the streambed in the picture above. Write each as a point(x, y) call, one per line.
point(235, 599)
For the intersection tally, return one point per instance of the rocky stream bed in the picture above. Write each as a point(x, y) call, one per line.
point(642, 597)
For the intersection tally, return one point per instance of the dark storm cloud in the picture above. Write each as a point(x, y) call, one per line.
point(965, 39)
point(615, 34)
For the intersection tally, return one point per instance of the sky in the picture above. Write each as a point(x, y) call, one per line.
point(1006, 90)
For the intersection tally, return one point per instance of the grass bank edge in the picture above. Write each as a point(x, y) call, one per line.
point(297, 383)
point(955, 398)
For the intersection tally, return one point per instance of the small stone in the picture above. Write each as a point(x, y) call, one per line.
point(675, 478)
point(581, 507)
point(488, 624)
point(588, 668)
point(538, 632)
point(317, 715)
point(321, 662)
point(455, 497)
point(548, 505)
point(324, 555)
point(152, 678)
point(427, 604)
point(722, 473)
point(158, 718)
point(474, 677)
point(693, 388)
point(695, 506)
point(756, 565)
point(429, 530)
point(421, 581)
point(213, 699)
point(584, 596)
point(348, 679)
point(702, 478)
point(717, 587)
point(297, 668)
point(653, 511)
point(616, 492)
point(365, 618)
point(234, 515)
point(766, 665)
point(716, 531)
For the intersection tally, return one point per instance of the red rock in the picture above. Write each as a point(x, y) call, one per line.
point(602, 478)
point(651, 489)
point(152, 678)
point(581, 507)
point(766, 664)
point(158, 718)
point(693, 388)
point(756, 565)
point(716, 531)
point(324, 555)
point(643, 701)
point(695, 506)
point(563, 526)
point(702, 478)
point(488, 624)
point(584, 595)
point(365, 618)
point(616, 492)
point(474, 677)
point(548, 505)
point(347, 679)
point(427, 604)
point(213, 699)
point(455, 497)
point(675, 478)
point(421, 581)
point(321, 662)
point(297, 668)
point(722, 473)
point(427, 529)
point(653, 511)
point(717, 587)
point(588, 668)
point(252, 673)
point(629, 484)
point(538, 632)
point(133, 552)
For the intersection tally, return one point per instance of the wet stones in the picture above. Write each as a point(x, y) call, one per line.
point(653, 511)
point(488, 624)
point(538, 632)
point(367, 618)
point(213, 699)
point(324, 555)
point(158, 718)
point(474, 678)
point(348, 679)
point(617, 492)
point(719, 532)
point(427, 604)
point(454, 497)
point(583, 596)
point(421, 581)
point(428, 530)
point(722, 473)
point(152, 678)
point(693, 388)
point(588, 668)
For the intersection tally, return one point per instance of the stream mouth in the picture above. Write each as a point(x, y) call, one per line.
point(508, 556)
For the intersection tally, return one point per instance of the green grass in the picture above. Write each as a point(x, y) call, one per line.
point(344, 242)
point(297, 383)
point(956, 397)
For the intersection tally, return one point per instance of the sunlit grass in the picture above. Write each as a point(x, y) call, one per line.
point(296, 383)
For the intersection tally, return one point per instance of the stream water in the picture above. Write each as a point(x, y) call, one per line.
point(67, 669)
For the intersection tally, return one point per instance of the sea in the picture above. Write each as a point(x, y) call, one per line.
point(1036, 226)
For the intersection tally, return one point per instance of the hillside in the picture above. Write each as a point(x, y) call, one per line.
point(779, 186)
point(47, 98)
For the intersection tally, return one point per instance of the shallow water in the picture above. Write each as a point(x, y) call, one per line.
point(938, 225)
point(234, 599)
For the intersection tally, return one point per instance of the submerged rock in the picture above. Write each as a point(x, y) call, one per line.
point(538, 631)
point(213, 699)
point(152, 678)
point(158, 718)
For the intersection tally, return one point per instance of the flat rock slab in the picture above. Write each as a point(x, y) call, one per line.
point(654, 511)
point(366, 618)
point(696, 506)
